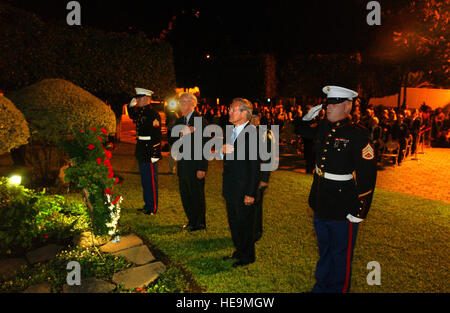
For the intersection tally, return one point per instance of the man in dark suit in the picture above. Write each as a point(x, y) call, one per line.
point(192, 168)
point(241, 172)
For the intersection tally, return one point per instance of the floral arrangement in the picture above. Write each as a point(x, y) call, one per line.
point(90, 168)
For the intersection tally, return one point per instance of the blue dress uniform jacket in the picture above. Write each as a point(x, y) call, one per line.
point(342, 148)
point(148, 124)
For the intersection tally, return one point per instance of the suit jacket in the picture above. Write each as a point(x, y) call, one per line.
point(240, 177)
point(192, 165)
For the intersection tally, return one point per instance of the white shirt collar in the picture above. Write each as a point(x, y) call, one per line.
point(189, 116)
point(239, 128)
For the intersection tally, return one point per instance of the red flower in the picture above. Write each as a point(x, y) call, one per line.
point(81, 131)
point(99, 161)
point(116, 181)
point(111, 174)
point(108, 154)
point(111, 145)
point(116, 200)
point(99, 139)
point(46, 236)
point(108, 191)
point(91, 147)
point(104, 131)
point(93, 129)
point(107, 163)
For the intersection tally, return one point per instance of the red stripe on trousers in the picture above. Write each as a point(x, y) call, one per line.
point(349, 256)
point(153, 185)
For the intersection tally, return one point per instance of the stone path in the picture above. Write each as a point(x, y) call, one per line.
point(8, 267)
point(131, 247)
point(43, 254)
point(90, 285)
point(39, 288)
point(139, 276)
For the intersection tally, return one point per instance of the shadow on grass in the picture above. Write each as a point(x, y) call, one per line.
point(210, 266)
point(207, 245)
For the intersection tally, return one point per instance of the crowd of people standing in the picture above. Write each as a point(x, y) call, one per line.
point(407, 127)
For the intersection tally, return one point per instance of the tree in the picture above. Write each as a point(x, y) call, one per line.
point(109, 65)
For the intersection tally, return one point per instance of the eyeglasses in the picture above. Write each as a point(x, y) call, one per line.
point(235, 110)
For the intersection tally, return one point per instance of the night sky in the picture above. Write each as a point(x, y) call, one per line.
point(224, 28)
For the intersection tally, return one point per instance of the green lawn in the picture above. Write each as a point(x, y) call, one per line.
point(407, 235)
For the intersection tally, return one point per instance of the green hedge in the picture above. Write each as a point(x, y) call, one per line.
point(55, 109)
point(14, 130)
point(109, 65)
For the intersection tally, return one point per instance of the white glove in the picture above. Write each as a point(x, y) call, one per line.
point(353, 219)
point(312, 113)
point(133, 102)
point(154, 160)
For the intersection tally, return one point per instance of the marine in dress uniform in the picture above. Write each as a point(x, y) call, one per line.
point(148, 146)
point(191, 172)
point(240, 183)
point(342, 189)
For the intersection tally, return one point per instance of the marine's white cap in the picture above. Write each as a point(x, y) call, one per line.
point(339, 92)
point(143, 92)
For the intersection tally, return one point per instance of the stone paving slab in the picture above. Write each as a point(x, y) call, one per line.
point(125, 242)
point(39, 288)
point(139, 276)
point(139, 255)
point(8, 267)
point(90, 285)
point(42, 254)
point(87, 239)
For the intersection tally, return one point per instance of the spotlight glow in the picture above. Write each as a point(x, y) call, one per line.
point(15, 179)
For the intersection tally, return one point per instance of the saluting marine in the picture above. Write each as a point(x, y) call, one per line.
point(148, 146)
point(342, 190)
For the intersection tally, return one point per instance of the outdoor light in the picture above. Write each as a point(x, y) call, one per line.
point(15, 179)
point(171, 103)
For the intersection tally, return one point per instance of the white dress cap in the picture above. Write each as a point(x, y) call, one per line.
point(339, 92)
point(143, 92)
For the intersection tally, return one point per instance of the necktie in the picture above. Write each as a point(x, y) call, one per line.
point(185, 120)
point(233, 137)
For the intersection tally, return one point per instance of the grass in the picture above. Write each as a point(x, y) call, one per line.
point(407, 235)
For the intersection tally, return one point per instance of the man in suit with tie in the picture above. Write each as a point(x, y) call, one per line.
point(191, 170)
point(240, 181)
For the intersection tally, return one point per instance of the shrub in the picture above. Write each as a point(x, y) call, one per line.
point(14, 130)
point(28, 217)
point(55, 109)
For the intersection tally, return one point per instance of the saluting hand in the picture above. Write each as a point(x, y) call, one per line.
point(249, 200)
